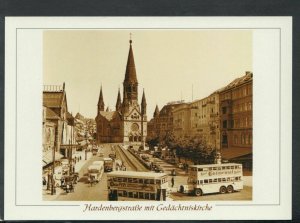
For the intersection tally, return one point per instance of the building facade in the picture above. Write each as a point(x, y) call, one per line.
point(236, 120)
point(128, 123)
point(161, 125)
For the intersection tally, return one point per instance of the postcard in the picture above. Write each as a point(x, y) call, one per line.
point(112, 118)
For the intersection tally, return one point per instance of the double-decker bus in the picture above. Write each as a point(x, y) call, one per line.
point(214, 178)
point(131, 185)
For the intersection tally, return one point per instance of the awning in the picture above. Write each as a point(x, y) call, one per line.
point(234, 153)
point(48, 157)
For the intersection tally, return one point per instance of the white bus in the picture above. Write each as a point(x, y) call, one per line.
point(95, 171)
point(214, 178)
point(131, 185)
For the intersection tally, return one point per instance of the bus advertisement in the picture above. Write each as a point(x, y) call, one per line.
point(214, 178)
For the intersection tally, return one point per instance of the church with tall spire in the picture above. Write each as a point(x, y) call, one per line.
point(128, 123)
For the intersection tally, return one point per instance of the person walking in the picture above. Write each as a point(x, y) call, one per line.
point(172, 181)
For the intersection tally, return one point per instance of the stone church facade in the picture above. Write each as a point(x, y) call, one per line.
point(128, 123)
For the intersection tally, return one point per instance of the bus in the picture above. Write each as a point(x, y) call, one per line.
point(131, 185)
point(214, 178)
point(95, 171)
point(108, 164)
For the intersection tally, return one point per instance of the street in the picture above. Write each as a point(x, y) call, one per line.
point(84, 191)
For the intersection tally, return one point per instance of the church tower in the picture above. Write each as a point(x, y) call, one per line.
point(100, 102)
point(130, 84)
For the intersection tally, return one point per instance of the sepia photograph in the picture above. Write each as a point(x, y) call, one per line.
point(147, 115)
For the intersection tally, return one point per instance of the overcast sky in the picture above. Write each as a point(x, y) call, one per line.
point(169, 64)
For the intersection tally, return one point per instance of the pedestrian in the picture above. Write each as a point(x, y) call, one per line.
point(80, 157)
point(73, 169)
point(172, 181)
point(44, 181)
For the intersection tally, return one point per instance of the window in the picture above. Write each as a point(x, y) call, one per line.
point(130, 194)
point(247, 139)
point(146, 181)
point(124, 179)
point(235, 139)
point(228, 178)
point(147, 196)
point(120, 193)
point(141, 181)
point(206, 181)
point(201, 181)
point(232, 167)
point(210, 180)
point(223, 179)
point(200, 169)
point(151, 181)
point(224, 139)
point(219, 179)
point(246, 122)
point(129, 180)
point(152, 196)
point(225, 124)
point(134, 180)
point(215, 180)
point(125, 193)
point(224, 110)
point(157, 182)
point(135, 194)
point(141, 195)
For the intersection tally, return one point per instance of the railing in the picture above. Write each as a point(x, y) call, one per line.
point(53, 88)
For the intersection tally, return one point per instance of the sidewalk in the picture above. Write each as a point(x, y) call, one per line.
point(47, 193)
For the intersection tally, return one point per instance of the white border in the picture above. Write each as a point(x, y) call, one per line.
point(267, 88)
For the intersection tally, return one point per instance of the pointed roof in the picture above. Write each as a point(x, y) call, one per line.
point(130, 74)
point(156, 112)
point(101, 101)
point(144, 98)
point(118, 99)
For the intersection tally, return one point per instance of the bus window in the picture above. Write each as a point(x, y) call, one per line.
point(125, 193)
point(146, 181)
point(232, 179)
point(193, 169)
point(228, 178)
point(124, 179)
point(214, 168)
point(210, 168)
point(120, 179)
point(200, 169)
point(235, 167)
point(224, 179)
point(141, 181)
point(152, 196)
point(223, 167)
point(157, 182)
point(228, 167)
point(201, 181)
point(120, 193)
point(147, 196)
point(239, 178)
point(219, 179)
point(236, 178)
point(215, 180)
point(129, 180)
point(219, 168)
point(232, 167)
point(115, 179)
point(205, 169)
point(135, 194)
point(206, 181)
point(151, 181)
point(210, 180)
point(141, 195)
point(130, 194)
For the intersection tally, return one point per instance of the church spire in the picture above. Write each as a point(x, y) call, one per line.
point(101, 101)
point(130, 84)
point(130, 74)
point(144, 103)
point(156, 112)
point(118, 104)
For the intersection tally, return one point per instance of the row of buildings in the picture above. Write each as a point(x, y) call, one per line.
point(223, 121)
point(62, 133)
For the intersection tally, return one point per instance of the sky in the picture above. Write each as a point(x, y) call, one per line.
point(171, 65)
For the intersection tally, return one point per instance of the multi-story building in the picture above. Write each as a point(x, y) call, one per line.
point(236, 120)
point(161, 124)
point(204, 120)
point(58, 124)
point(181, 121)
